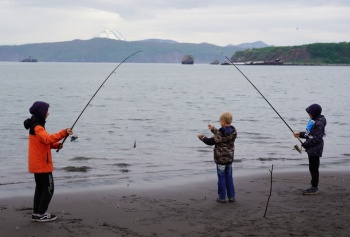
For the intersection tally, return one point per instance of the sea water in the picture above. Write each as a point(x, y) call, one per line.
point(161, 108)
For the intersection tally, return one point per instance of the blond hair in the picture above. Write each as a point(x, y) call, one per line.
point(227, 117)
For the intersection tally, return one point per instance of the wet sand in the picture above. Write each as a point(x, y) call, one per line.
point(191, 210)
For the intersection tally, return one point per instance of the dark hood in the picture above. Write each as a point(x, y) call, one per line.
point(227, 130)
point(30, 124)
point(322, 119)
point(315, 110)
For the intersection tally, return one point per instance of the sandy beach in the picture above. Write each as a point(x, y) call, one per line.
point(191, 210)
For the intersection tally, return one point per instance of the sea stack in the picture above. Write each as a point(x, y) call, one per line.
point(187, 59)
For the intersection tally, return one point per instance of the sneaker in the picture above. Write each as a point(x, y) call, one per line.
point(43, 218)
point(221, 200)
point(232, 199)
point(34, 216)
point(311, 191)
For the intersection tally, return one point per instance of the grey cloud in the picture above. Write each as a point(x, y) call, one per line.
point(183, 20)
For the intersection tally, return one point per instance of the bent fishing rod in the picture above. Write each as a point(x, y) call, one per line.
point(95, 95)
point(296, 147)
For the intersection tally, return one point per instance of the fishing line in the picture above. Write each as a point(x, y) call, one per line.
point(296, 146)
point(96, 93)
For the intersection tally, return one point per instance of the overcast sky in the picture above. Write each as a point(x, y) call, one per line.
point(219, 22)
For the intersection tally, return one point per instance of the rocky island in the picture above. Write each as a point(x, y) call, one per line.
point(187, 59)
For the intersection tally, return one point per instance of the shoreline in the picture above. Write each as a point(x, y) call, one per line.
point(191, 210)
point(26, 189)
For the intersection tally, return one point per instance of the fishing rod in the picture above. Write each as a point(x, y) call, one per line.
point(94, 96)
point(296, 147)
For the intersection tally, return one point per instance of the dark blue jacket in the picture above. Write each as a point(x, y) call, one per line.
point(314, 140)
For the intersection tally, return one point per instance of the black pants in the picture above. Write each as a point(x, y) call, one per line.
point(43, 192)
point(314, 164)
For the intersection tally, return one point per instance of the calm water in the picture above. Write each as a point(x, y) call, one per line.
point(163, 107)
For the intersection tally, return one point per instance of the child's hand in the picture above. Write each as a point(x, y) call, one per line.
point(210, 126)
point(201, 136)
point(69, 131)
point(60, 146)
point(296, 134)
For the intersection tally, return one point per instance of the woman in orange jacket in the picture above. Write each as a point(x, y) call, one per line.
point(40, 158)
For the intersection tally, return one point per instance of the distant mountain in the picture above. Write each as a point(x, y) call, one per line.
point(254, 45)
point(110, 50)
point(160, 41)
point(110, 34)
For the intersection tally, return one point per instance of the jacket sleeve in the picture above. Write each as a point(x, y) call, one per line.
point(214, 130)
point(317, 135)
point(54, 145)
point(302, 135)
point(209, 141)
point(47, 138)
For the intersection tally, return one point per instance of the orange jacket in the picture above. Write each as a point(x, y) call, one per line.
point(39, 149)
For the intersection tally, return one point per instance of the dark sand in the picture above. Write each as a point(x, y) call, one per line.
point(191, 209)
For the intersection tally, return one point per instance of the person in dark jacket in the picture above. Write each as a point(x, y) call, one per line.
point(314, 145)
point(223, 142)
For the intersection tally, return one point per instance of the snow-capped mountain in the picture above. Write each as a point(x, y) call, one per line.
point(110, 34)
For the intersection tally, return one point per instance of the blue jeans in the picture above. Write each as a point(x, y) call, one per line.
point(225, 181)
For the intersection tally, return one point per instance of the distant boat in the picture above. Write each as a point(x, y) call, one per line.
point(225, 63)
point(30, 59)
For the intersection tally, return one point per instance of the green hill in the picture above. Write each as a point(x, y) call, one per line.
point(317, 53)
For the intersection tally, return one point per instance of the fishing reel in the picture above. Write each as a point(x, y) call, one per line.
point(298, 149)
point(73, 138)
